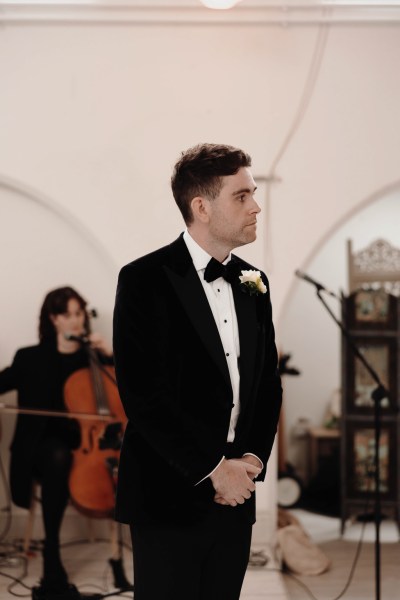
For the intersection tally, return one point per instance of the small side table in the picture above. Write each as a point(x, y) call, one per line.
point(322, 441)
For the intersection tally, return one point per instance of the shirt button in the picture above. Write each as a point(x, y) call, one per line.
point(225, 321)
point(227, 354)
point(218, 290)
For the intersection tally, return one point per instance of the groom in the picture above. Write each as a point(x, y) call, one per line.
point(196, 365)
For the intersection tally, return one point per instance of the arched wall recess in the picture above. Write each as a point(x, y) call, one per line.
point(44, 246)
point(12, 186)
point(306, 329)
point(307, 263)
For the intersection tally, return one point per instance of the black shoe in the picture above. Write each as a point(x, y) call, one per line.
point(120, 580)
point(54, 592)
point(69, 592)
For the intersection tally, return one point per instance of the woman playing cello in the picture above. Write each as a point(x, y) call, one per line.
point(42, 446)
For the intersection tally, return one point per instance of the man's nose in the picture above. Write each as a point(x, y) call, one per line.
point(255, 208)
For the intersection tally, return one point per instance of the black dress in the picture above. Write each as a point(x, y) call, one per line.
point(38, 373)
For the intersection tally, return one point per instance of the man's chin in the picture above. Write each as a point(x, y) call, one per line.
point(251, 237)
point(248, 239)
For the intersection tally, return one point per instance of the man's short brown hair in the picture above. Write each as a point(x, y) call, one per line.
point(199, 172)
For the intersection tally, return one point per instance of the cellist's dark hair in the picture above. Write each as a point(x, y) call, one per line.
point(56, 303)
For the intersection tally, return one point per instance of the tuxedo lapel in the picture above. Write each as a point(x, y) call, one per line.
point(246, 313)
point(187, 285)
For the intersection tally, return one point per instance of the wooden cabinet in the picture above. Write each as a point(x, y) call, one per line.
point(372, 318)
point(323, 442)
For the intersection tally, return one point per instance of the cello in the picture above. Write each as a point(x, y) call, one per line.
point(93, 474)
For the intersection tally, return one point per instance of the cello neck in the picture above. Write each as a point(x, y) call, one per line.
point(97, 381)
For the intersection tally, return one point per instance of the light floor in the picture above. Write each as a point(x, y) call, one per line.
point(88, 568)
point(341, 551)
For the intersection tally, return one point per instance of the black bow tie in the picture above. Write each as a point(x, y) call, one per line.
point(215, 269)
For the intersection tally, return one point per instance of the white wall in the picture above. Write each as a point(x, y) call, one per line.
point(93, 116)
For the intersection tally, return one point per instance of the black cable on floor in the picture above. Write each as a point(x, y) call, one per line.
point(18, 580)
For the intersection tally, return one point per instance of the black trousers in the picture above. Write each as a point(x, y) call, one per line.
point(202, 561)
point(52, 463)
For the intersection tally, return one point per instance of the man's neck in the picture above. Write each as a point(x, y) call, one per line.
point(219, 251)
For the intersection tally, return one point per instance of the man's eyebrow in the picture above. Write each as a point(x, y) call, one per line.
point(244, 191)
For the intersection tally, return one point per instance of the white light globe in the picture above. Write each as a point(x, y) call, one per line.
point(219, 4)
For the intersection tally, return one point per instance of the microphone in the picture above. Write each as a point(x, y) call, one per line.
point(319, 286)
point(82, 339)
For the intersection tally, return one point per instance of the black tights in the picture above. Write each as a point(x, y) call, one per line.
point(52, 463)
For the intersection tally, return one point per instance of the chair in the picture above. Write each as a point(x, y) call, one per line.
point(26, 543)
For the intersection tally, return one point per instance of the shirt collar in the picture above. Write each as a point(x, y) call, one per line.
point(200, 257)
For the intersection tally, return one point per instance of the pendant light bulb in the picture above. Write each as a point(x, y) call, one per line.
point(219, 4)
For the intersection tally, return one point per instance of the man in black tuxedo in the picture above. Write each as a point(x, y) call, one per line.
point(196, 365)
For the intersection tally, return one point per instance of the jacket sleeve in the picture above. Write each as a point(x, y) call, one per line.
point(146, 372)
point(9, 377)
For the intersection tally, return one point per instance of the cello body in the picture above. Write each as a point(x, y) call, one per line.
point(93, 473)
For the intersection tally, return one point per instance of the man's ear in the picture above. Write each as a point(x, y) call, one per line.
point(200, 209)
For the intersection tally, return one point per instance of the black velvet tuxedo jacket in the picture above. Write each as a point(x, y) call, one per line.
point(174, 384)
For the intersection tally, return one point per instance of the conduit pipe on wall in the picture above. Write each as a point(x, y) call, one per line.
point(135, 13)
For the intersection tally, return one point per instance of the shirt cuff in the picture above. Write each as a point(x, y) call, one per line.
point(211, 472)
point(255, 456)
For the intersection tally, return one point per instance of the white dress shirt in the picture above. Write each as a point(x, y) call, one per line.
point(220, 298)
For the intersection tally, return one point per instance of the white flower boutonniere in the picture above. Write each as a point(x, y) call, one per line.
point(252, 283)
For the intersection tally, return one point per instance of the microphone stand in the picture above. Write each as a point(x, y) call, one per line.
point(377, 395)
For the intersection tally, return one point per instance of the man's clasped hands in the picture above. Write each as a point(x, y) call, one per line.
point(233, 480)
